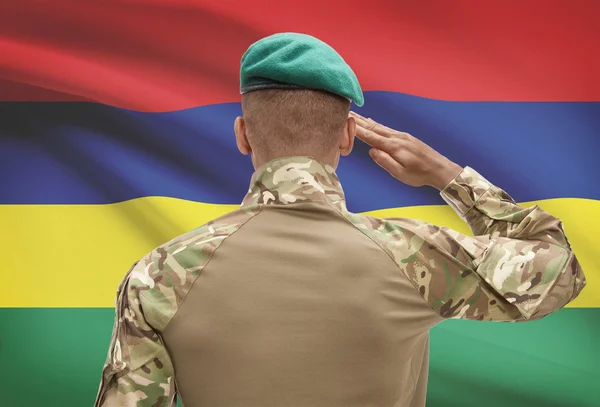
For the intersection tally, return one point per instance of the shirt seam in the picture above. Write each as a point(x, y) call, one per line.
point(260, 208)
point(325, 201)
point(393, 261)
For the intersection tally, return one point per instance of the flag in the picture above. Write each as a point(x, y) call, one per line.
point(116, 135)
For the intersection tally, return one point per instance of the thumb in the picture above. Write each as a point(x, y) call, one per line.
point(387, 162)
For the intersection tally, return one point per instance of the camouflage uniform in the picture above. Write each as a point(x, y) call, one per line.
point(519, 266)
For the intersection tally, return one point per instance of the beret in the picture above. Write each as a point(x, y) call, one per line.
point(297, 61)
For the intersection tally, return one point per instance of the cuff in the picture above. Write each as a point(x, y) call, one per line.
point(463, 192)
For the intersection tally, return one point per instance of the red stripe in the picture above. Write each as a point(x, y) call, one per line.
point(164, 55)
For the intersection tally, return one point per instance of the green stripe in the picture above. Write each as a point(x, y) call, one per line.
point(53, 357)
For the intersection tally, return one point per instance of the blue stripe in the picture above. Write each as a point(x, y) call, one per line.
point(75, 153)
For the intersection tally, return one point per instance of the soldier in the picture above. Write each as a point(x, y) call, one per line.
point(292, 300)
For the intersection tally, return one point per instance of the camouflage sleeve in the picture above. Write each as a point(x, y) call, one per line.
point(522, 265)
point(518, 267)
point(138, 370)
point(490, 211)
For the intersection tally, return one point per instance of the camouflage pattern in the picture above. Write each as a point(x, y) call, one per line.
point(138, 370)
point(471, 195)
point(293, 180)
point(519, 266)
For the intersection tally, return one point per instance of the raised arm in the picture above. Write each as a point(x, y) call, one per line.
point(519, 265)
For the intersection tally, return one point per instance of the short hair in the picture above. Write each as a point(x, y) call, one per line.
point(286, 122)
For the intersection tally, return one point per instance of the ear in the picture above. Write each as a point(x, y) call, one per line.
point(241, 138)
point(347, 139)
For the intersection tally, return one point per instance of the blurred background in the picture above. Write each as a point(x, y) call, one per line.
point(116, 135)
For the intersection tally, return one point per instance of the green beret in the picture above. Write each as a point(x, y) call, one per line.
point(297, 61)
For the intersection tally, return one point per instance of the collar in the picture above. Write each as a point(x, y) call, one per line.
point(295, 179)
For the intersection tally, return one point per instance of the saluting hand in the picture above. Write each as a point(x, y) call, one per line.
point(405, 157)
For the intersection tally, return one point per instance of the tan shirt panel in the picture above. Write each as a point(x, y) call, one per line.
point(309, 311)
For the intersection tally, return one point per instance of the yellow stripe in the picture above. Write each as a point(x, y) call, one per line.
point(76, 255)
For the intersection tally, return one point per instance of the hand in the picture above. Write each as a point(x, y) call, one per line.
point(406, 158)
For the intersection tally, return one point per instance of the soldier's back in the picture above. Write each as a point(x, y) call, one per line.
point(292, 300)
point(297, 306)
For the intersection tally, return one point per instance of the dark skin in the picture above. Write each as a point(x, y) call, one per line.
point(405, 157)
point(344, 147)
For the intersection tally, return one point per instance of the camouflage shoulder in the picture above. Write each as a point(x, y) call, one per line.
point(400, 240)
point(402, 237)
point(164, 276)
point(436, 260)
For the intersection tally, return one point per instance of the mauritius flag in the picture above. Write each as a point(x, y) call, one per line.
point(116, 135)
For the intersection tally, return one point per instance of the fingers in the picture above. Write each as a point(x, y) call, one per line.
point(372, 125)
point(363, 121)
point(369, 124)
point(374, 140)
point(370, 132)
point(387, 162)
point(358, 116)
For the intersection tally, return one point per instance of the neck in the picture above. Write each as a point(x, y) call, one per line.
point(329, 159)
